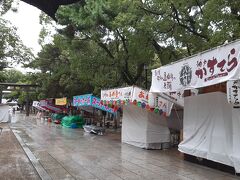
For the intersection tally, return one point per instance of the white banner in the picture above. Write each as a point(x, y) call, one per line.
point(175, 97)
point(135, 93)
point(159, 102)
point(205, 69)
point(233, 92)
point(117, 94)
point(164, 105)
point(36, 103)
point(140, 95)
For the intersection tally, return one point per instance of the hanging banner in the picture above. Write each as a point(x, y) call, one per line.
point(140, 95)
point(160, 103)
point(83, 100)
point(35, 103)
point(175, 97)
point(233, 92)
point(43, 103)
point(117, 94)
point(47, 104)
point(164, 105)
point(61, 101)
point(96, 102)
point(90, 100)
point(205, 69)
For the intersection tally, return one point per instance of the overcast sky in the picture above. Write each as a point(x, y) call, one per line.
point(26, 20)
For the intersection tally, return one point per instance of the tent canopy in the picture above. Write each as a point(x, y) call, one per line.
point(205, 69)
point(36, 104)
point(46, 104)
point(144, 129)
point(137, 96)
point(88, 101)
point(211, 129)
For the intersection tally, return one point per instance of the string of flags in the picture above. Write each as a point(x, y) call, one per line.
point(119, 103)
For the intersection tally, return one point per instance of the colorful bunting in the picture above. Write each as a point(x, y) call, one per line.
point(139, 104)
point(156, 110)
point(143, 105)
point(160, 112)
point(116, 105)
point(135, 102)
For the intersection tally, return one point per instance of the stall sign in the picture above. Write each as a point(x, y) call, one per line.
point(164, 105)
point(47, 104)
point(96, 102)
point(175, 97)
point(43, 103)
point(36, 103)
point(233, 92)
point(140, 95)
point(117, 94)
point(83, 100)
point(61, 101)
point(208, 68)
point(160, 103)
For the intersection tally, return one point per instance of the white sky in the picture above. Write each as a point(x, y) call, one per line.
point(26, 20)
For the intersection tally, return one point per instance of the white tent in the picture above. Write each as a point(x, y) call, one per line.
point(4, 113)
point(211, 125)
point(211, 129)
point(141, 127)
point(144, 129)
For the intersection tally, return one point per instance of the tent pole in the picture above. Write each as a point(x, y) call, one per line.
point(27, 102)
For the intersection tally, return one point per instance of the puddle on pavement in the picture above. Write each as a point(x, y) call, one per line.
point(16, 131)
point(5, 130)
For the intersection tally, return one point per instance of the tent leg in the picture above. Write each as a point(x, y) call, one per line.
point(0, 95)
point(27, 103)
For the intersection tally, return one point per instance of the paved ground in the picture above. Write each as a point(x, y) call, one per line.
point(14, 164)
point(71, 154)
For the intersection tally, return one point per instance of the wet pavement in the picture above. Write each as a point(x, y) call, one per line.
point(62, 153)
point(14, 163)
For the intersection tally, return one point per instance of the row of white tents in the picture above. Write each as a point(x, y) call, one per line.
point(211, 121)
point(141, 127)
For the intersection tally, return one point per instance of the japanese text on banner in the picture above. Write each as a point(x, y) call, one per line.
point(218, 65)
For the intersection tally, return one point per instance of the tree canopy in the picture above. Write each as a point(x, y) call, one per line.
point(12, 49)
point(107, 43)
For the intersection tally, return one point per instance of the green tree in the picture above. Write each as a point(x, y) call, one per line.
point(115, 29)
point(13, 75)
point(12, 49)
point(56, 78)
point(107, 43)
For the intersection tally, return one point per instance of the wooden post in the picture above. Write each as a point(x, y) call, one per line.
point(1, 95)
point(27, 102)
